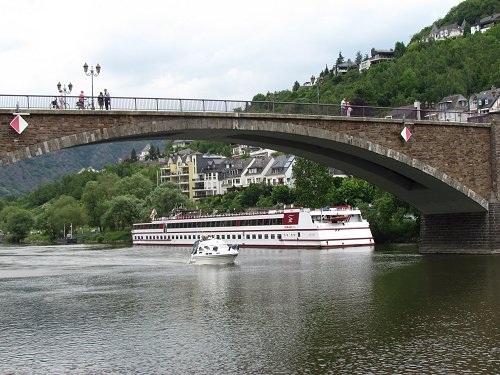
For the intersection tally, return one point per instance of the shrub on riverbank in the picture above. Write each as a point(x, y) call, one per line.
point(108, 237)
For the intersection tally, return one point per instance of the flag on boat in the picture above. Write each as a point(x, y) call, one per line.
point(153, 214)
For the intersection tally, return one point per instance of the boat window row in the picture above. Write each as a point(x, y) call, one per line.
point(148, 226)
point(227, 223)
point(253, 236)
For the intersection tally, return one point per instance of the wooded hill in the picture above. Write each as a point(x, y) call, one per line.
point(26, 175)
point(426, 72)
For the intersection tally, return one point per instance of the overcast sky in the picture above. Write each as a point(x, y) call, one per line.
point(219, 49)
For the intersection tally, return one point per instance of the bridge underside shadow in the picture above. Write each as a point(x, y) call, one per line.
point(420, 188)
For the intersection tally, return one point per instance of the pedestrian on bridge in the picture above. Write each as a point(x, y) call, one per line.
point(100, 100)
point(107, 99)
point(81, 101)
point(343, 107)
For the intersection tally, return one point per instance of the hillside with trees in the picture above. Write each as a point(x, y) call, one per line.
point(421, 71)
point(26, 175)
point(470, 11)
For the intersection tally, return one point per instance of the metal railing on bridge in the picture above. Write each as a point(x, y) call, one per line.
point(31, 102)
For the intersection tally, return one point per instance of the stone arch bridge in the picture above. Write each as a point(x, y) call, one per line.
point(448, 170)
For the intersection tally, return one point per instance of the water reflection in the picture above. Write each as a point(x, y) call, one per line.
point(146, 310)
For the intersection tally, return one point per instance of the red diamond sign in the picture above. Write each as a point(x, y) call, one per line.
point(19, 124)
point(406, 134)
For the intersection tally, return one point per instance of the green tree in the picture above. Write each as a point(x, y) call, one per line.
point(409, 83)
point(60, 214)
point(122, 212)
point(93, 199)
point(312, 182)
point(252, 193)
point(359, 58)
point(352, 191)
point(133, 156)
point(137, 185)
point(18, 224)
point(340, 59)
point(264, 202)
point(166, 197)
point(386, 217)
point(399, 49)
point(152, 154)
point(211, 147)
point(471, 10)
point(282, 195)
point(98, 193)
point(168, 148)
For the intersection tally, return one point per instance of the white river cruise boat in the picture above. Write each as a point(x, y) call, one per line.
point(330, 227)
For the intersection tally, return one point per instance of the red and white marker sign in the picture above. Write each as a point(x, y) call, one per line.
point(19, 124)
point(406, 134)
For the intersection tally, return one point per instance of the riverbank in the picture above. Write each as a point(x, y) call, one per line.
point(123, 238)
point(112, 238)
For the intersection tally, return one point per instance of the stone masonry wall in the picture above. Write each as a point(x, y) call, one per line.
point(477, 233)
point(495, 159)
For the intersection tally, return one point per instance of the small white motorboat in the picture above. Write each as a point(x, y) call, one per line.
point(208, 250)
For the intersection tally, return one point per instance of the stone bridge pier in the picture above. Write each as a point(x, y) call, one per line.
point(467, 233)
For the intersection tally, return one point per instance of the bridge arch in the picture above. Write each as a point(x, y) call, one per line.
point(348, 147)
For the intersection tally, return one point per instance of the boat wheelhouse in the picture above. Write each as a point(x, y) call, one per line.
point(329, 227)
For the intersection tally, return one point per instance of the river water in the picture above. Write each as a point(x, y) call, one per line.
point(82, 309)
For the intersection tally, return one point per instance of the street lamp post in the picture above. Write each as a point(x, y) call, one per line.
point(64, 91)
point(316, 81)
point(92, 74)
